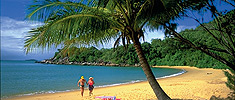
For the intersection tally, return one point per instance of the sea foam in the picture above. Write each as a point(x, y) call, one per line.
point(116, 84)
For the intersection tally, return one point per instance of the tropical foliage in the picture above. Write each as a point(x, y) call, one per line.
point(159, 52)
point(220, 31)
point(92, 22)
point(167, 51)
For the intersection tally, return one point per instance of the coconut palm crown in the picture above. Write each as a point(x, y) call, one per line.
point(93, 22)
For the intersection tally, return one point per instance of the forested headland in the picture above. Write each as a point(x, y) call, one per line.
point(169, 51)
point(78, 24)
point(158, 52)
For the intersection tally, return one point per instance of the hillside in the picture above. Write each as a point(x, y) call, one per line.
point(169, 51)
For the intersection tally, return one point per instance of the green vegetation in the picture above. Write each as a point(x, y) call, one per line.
point(158, 52)
point(169, 51)
point(217, 37)
point(84, 23)
point(230, 74)
point(230, 80)
point(95, 22)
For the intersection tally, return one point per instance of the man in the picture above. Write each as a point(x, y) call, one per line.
point(82, 82)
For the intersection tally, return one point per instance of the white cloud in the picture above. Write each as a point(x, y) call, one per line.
point(11, 27)
point(159, 34)
point(13, 33)
point(156, 34)
point(182, 27)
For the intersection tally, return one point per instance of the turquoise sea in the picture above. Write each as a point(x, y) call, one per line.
point(19, 78)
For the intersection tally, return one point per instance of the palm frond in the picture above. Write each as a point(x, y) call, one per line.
point(86, 23)
point(91, 27)
point(42, 10)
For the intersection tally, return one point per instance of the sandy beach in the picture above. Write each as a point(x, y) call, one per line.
point(196, 84)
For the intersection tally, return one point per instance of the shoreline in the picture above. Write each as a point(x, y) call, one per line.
point(66, 62)
point(144, 91)
point(102, 86)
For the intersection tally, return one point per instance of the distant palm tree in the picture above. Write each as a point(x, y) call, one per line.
point(91, 23)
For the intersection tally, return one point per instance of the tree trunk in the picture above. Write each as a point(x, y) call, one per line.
point(161, 95)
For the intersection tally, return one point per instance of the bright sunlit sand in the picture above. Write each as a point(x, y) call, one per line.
point(196, 84)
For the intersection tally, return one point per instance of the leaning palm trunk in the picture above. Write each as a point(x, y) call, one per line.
point(79, 24)
point(161, 95)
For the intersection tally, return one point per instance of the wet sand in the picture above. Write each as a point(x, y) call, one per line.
point(196, 84)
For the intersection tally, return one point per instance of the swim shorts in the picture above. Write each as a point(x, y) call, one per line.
point(91, 87)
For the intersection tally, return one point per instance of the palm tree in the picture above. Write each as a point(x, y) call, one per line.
point(91, 23)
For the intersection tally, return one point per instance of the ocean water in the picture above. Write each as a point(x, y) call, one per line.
point(20, 78)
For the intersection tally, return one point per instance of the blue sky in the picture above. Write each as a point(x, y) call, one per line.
point(14, 28)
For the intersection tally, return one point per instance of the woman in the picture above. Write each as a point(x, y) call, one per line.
point(91, 86)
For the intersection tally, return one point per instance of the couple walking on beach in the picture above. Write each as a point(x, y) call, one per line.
point(81, 84)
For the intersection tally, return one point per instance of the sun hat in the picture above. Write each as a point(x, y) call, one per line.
point(82, 77)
